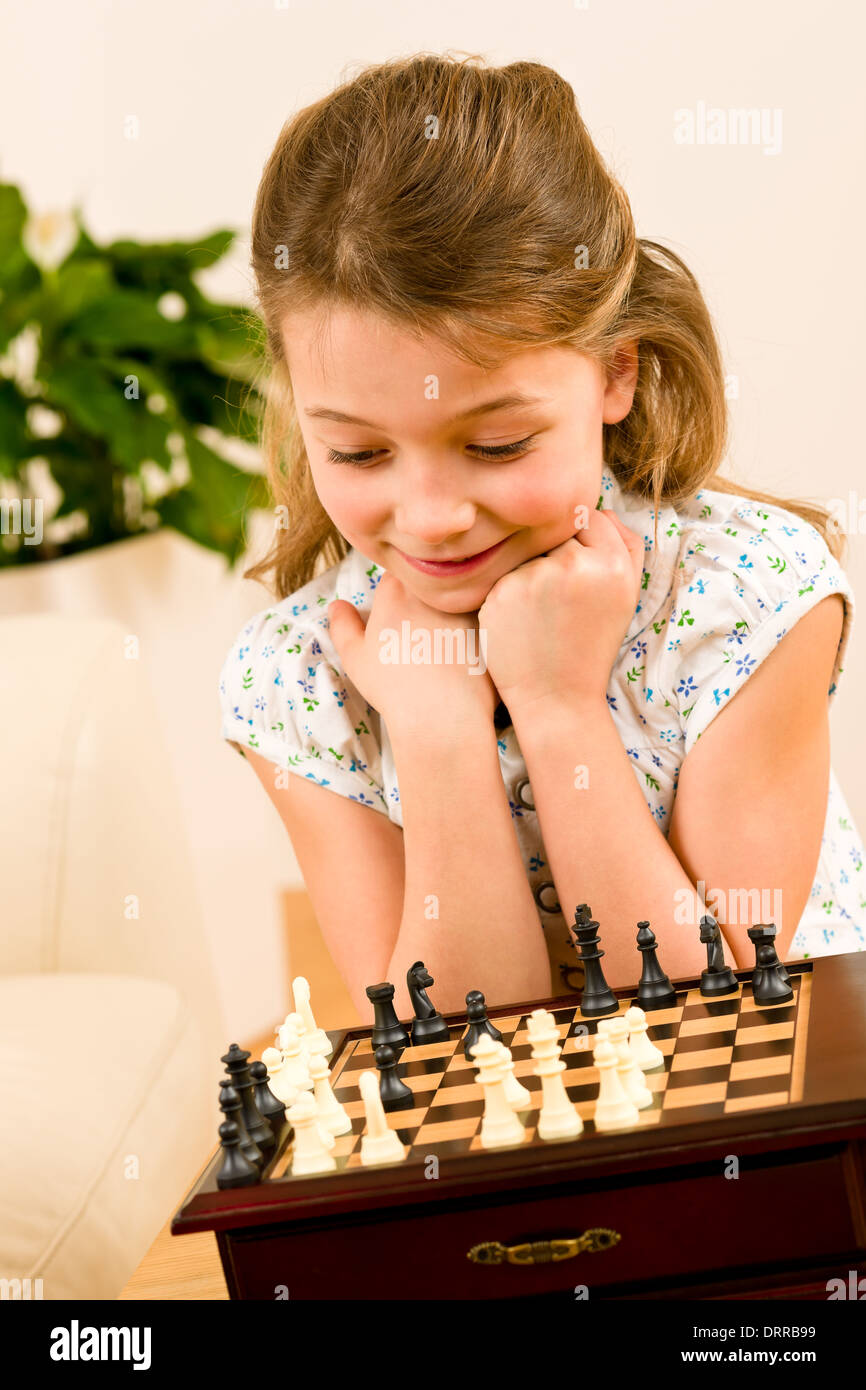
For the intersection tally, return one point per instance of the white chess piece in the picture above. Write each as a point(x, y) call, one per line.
point(629, 1072)
point(295, 1072)
point(613, 1109)
point(559, 1118)
point(319, 1040)
point(645, 1053)
point(500, 1125)
point(518, 1097)
point(332, 1115)
point(379, 1144)
point(296, 1021)
point(309, 1154)
point(285, 1091)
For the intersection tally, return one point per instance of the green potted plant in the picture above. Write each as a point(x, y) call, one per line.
point(121, 386)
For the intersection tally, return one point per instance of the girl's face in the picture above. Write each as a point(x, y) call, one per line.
point(451, 462)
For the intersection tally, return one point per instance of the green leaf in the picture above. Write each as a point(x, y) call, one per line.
point(97, 404)
point(211, 507)
point(130, 319)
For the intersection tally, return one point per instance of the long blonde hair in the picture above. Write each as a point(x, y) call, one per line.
point(469, 202)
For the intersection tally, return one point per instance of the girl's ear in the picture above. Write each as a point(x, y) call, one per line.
point(621, 383)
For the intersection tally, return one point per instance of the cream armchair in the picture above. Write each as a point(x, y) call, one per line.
point(109, 1025)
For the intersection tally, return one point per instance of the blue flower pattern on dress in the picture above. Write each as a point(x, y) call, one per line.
point(714, 584)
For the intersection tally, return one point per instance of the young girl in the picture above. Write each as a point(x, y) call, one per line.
point(496, 416)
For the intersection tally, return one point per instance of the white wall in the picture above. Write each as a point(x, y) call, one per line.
point(773, 238)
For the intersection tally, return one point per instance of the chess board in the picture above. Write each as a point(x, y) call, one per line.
point(780, 1089)
point(721, 1056)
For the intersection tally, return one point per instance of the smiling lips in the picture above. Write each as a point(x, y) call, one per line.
point(448, 567)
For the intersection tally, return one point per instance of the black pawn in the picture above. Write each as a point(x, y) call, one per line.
point(267, 1104)
point(655, 990)
point(395, 1095)
point(768, 987)
point(258, 1129)
point(428, 1025)
point(764, 935)
point(718, 978)
point(479, 1023)
point(230, 1105)
point(236, 1170)
point(387, 1027)
point(597, 996)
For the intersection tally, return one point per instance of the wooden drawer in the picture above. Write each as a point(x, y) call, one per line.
point(692, 1222)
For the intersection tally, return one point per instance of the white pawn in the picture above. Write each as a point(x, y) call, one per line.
point(379, 1144)
point(295, 1072)
point(285, 1091)
point(518, 1097)
point(332, 1115)
point(500, 1125)
point(613, 1109)
point(559, 1118)
point(630, 1073)
point(319, 1040)
point(296, 1021)
point(645, 1053)
point(310, 1154)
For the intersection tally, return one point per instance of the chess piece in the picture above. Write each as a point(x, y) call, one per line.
point(230, 1105)
point(718, 978)
point(319, 1041)
point(387, 1027)
point(295, 1071)
point(613, 1109)
point(296, 1021)
point(479, 1023)
point(597, 997)
point(559, 1119)
point(394, 1093)
point(517, 1095)
point(379, 1144)
point(267, 1104)
point(311, 1154)
point(428, 1025)
point(630, 1074)
point(236, 1170)
point(279, 1086)
point(644, 1052)
point(236, 1064)
point(655, 990)
point(500, 1126)
point(767, 985)
point(764, 935)
point(333, 1117)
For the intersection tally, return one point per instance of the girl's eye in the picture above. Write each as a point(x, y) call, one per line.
point(490, 451)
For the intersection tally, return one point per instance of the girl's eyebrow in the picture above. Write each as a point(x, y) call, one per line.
point(515, 398)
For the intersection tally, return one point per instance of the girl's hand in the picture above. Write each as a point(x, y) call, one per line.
point(403, 691)
point(555, 624)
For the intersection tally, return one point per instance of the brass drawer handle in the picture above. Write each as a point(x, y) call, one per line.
point(542, 1252)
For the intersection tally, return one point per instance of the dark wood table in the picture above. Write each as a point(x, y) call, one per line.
point(684, 1227)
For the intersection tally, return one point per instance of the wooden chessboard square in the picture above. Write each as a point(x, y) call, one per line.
point(766, 1032)
point(434, 1132)
point(411, 1067)
point(756, 1102)
point(468, 1091)
point(723, 1007)
point(705, 1057)
point(708, 1085)
point(766, 1066)
point(700, 1026)
point(757, 1018)
point(528, 1136)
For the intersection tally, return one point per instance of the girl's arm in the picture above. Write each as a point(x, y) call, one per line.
point(748, 816)
point(468, 910)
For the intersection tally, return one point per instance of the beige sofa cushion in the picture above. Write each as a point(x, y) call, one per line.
point(102, 1103)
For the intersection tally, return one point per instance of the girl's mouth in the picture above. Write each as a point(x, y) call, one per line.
point(449, 567)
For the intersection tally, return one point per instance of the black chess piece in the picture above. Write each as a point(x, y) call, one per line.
point(394, 1093)
point(230, 1105)
point(764, 935)
point(428, 1025)
point(655, 990)
point(718, 978)
point(258, 1129)
point(768, 987)
point(597, 997)
point(479, 1023)
point(236, 1169)
point(267, 1104)
point(387, 1027)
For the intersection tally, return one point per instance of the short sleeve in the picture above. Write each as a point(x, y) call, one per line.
point(283, 694)
point(742, 586)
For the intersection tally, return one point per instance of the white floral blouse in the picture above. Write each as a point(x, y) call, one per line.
point(726, 581)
